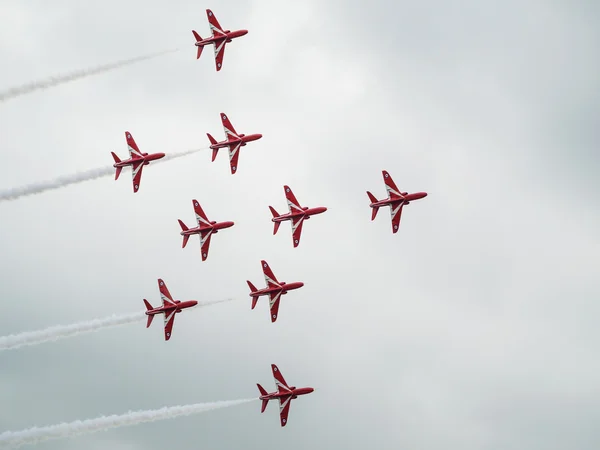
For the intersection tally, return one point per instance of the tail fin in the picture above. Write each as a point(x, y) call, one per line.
point(264, 402)
point(187, 236)
point(275, 214)
point(117, 160)
point(375, 208)
point(252, 291)
point(148, 308)
point(213, 141)
point(198, 38)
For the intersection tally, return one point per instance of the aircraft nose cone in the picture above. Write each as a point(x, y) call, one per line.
point(300, 284)
point(258, 135)
point(310, 390)
point(193, 302)
point(243, 32)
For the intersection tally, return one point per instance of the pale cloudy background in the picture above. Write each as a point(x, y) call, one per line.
point(475, 327)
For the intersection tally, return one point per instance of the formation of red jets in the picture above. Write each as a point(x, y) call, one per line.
point(297, 214)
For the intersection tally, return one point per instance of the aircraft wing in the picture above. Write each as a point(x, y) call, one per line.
point(297, 230)
point(396, 212)
point(293, 204)
point(390, 186)
point(136, 173)
point(270, 278)
point(201, 217)
point(282, 386)
point(169, 320)
point(205, 243)
point(274, 298)
point(230, 132)
point(219, 53)
point(234, 154)
point(165, 295)
point(215, 27)
point(284, 409)
point(134, 151)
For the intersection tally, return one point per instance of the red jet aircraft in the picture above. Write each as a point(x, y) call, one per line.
point(284, 393)
point(170, 307)
point(219, 38)
point(137, 161)
point(395, 201)
point(233, 142)
point(275, 289)
point(205, 229)
point(297, 215)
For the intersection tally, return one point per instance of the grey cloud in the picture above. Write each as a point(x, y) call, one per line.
point(471, 327)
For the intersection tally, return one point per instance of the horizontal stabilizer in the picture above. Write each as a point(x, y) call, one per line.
point(275, 214)
point(264, 402)
point(148, 308)
point(252, 291)
point(375, 209)
point(117, 160)
point(200, 47)
point(372, 197)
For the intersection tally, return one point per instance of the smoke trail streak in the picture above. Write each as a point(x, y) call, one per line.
point(39, 434)
point(78, 74)
point(57, 332)
point(37, 188)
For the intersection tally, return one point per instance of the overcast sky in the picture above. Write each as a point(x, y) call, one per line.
point(474, 327)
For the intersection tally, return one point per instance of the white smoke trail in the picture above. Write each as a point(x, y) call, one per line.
point(57, 332)
point(60, 79)
point(38, 434)
point(37, 188)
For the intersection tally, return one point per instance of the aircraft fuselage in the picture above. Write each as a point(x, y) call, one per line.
point(243, 139)
point(229, 36)
point(284, 288)
point(146, 158)
point(214, 226)
point(307, 212)
point(396, 201)
point(294, 392)
point(179, 305)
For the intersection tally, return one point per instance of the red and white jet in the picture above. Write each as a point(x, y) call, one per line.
point(284, 393)
point(219, 38)
point(169, 308)
point(137, 160)
point(396, 200)
point(275, 289)
point(297, 215)
point(205, 229)
point(233, 142)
